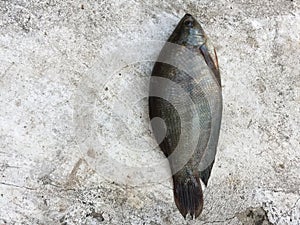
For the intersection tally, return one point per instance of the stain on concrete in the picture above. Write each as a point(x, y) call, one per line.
point(254, 216)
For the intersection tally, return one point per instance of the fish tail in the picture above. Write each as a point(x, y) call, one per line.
point(188, 195)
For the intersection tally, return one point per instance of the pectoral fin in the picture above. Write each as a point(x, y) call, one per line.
point(211, 61)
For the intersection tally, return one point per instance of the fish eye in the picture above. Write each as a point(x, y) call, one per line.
point(188, 23)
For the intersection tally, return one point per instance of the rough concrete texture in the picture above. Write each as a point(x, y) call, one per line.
point(48, 49)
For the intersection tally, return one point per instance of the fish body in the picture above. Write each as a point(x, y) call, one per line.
point(190, 150)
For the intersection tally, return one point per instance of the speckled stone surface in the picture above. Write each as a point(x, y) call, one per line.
point(60, 111)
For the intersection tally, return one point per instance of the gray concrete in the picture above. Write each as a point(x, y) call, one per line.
point(51, 104)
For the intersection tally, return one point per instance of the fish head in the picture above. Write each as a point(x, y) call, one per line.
point(188, 33)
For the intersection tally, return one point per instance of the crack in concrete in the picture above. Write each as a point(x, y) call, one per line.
point(5, 71)
point(288, 212)
point(220, 221)
point(18, 186)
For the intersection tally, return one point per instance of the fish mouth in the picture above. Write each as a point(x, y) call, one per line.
point(188, 15)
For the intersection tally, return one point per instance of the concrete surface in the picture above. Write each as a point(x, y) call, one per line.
point(56, 117)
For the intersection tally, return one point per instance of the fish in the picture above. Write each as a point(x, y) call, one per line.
point(187, 99)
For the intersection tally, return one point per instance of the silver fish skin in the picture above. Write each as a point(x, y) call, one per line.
point(203, 116)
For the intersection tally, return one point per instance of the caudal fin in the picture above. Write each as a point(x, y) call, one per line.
point(188, 195)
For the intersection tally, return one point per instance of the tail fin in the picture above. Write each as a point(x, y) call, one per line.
point(188, 195)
